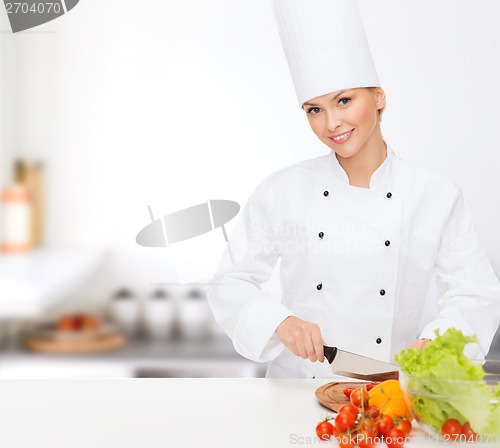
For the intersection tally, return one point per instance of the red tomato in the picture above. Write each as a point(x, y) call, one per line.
point(325, 430)
point(359, 396)
point(367, 439)
point(67, 323)
point(372, 411)
point(349, 408)
point(470, 435)
point(403, 425)
point(370, 426)
point(394, 438)
point(347, 391)
point(346, 441)
point(371, 385)
point(451, 429)
point(385, 424)
point(336, 432)
point(345, 421)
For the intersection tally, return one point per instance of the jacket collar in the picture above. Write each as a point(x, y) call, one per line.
point(380, 177)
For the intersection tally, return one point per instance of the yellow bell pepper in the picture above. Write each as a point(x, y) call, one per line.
point(389, 399)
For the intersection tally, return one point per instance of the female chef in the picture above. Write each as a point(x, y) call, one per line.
point(360, 234)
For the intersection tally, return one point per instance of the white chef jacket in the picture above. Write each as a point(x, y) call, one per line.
point(359, 262)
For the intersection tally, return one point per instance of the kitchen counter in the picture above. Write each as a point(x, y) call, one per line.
point(164, 413)
point(140, 358)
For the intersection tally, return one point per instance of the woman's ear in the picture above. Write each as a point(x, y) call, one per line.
point(379, 97)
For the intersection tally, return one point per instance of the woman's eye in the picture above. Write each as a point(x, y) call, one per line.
point(313, 110)
point(344, 101)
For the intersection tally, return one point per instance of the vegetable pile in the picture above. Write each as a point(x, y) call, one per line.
point(376, 412)
point(448, 390)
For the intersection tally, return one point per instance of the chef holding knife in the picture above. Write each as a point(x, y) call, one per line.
point(359, 234)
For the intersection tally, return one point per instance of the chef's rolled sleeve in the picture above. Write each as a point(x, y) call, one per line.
point(469, 290)
point(254, 337)
point(246, 312)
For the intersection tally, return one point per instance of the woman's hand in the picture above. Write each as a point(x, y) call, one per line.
point(420, 343)
point(302, 338)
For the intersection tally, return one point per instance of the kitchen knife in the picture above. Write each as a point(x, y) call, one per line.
point(360, 367)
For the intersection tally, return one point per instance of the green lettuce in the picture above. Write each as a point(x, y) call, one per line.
point(446, 384)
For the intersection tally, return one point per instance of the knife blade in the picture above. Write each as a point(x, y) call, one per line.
point(360, 367)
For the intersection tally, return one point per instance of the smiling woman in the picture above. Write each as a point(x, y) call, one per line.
point(362, 291)
point(349, 123)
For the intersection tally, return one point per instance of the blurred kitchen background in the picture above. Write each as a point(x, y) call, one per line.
point(119, 105)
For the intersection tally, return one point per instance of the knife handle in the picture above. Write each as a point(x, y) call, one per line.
point(330, 353)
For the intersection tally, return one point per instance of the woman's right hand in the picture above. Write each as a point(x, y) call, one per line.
point(302, 338)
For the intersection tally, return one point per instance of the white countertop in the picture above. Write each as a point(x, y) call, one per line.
point(163, 413)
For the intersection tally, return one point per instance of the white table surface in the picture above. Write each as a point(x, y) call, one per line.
point(163, 413)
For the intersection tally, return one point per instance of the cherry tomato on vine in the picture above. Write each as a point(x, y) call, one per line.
point(359, 396)
point(345, 421)
point(346, 440)
point(403, 425)
point(350, 409)
point(325, 430)
point(385, 424)
point(369, 425)
point(366, 439)
point(372, 411)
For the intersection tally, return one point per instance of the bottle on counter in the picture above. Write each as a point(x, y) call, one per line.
point(16, 220)
point(30, 176)
point(125, 311)
point(34, 183)
point(159, 314)
point(194, 315)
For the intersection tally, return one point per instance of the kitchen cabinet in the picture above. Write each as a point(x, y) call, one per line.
point(160, 413)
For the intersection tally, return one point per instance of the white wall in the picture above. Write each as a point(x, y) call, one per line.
point(4, 143)
point(171, 103)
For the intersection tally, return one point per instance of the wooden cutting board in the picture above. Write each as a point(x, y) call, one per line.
point(331, 395)
point(93, 342)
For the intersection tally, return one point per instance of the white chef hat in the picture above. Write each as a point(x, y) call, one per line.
point(325, 46)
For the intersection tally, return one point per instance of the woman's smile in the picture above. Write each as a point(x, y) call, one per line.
point(341, 138)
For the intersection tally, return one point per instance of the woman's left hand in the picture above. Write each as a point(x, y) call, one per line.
point(420, 343)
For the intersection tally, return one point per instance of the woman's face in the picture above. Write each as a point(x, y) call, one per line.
point(346, 120)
